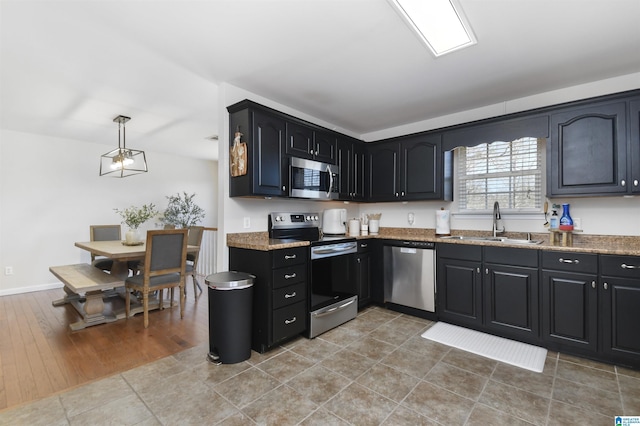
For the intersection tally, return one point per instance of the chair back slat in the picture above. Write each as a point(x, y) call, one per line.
point(105, 232)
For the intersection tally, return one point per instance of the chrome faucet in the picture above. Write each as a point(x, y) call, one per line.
point(496, 218)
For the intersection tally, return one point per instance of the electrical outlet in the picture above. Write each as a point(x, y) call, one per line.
point(8, 270)
point(247, 223)
point(577, 223)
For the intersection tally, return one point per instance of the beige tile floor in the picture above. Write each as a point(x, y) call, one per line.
point(373, 370)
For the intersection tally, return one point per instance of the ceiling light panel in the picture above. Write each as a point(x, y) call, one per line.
point(439, 23)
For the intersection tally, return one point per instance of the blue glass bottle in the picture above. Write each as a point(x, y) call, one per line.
point(566, 223)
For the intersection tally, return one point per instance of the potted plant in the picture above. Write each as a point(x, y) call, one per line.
point(182, 212)
point(133, 217)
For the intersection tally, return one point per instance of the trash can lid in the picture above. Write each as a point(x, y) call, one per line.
point(230, 280)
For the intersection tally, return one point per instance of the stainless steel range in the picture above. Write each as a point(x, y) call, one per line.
point(333, 296)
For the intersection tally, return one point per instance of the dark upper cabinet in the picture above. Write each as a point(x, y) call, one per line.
point(408, 168)
point(264, 134)
point(305, 142)
point(351, 158)
point(588, 150)
point(634, 141)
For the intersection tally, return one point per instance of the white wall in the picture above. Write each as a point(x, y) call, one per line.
point(51, 193)
point(602, 215)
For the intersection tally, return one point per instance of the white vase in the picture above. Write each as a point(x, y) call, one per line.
point(132, 236)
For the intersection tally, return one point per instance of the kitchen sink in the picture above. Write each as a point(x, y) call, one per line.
point(493, 239)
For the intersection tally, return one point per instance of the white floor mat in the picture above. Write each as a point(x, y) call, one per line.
point(498, 348)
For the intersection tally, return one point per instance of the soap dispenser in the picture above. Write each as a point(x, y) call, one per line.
point(554, 222)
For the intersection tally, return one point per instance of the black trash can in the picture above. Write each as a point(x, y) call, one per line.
point(230, 313)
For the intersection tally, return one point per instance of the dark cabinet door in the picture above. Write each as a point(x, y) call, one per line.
point(459, 293)
point(362, 270)
point(269, 166)
point(345, 164)
point(324, 147)
point(619, 305)
point(420, 168)
point(511, 301)
point(359, 181)
point(569, 309)
point(634, 140)
point(299, 141)
point(588, 151)
point(383, 162)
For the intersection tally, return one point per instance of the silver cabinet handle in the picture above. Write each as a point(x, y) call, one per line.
point(478, 270)
point(625, 266)
point(575, 261)
point(291, 321)
point(635, 182)
point(289, 296)
point(287, 257)
point(606, 286)
point(623, 183)
point(284, 188)
point(593, 284)
point(486, 271)
point(364, 245)
point(288, 277)
point(311, 152)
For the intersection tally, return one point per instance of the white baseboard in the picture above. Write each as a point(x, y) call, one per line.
point(20, 290)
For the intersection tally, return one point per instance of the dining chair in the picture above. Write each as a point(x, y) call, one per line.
point(195, 239)
point(103, 233)
point(163, 268)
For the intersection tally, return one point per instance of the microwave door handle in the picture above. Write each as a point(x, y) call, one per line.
point(330, 181)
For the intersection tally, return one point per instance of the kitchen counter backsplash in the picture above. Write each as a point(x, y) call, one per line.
point(603, 244)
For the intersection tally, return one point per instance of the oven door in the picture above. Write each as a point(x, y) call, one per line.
point(331, 280)
point(312, 179)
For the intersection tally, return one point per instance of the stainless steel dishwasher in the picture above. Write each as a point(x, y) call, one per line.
point(409, 277)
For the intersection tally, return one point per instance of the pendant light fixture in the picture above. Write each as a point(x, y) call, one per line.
point(122, 161)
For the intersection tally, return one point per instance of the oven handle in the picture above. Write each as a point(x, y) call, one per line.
point(330, 180)
point(332, 310)
point(334, 249)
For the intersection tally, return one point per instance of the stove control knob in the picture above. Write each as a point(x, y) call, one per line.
point(278, 218)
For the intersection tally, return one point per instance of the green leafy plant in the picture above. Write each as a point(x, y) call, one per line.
point(182, 212)
point(133, 216)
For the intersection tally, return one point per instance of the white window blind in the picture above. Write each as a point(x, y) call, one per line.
point(507, 172)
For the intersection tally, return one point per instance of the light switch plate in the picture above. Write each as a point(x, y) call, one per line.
point(247, 223)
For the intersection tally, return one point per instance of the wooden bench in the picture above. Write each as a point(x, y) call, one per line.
point(86, 287)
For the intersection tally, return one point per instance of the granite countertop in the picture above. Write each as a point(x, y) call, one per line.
point(600, 244)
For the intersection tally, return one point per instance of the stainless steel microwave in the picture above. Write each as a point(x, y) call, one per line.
point(313, 179)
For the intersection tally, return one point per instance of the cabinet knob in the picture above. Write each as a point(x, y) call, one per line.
point(284, 188)
point(623, 183)
point(397, 194)
point(593, 284)
point(363, 245)
point(311, 152)
point(403, 193)
point(358, 259)
point(606, 286)
point(635, 182)
point(486, 271)
point(478, 270)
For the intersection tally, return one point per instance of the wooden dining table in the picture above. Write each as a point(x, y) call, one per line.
point(87, 287)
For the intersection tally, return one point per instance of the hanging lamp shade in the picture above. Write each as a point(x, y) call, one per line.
point(122, 161)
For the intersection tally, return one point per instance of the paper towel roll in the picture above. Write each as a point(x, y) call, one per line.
point(443, 226)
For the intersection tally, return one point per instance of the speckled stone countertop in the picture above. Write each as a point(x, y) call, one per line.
point(602, 244)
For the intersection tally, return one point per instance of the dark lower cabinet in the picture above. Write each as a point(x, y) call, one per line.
point(362, 268)
point(511, 300)
point(279, 295)
point(570, 300)
point(459, 287)
point(569, 312)
point(619, 293)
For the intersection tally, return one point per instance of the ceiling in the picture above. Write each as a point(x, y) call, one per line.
point(69, 67)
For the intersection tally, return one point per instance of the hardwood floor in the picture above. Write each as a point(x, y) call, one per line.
point(40, 356)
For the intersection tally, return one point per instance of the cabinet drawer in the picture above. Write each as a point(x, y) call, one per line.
point(289, 295)
point(568, 261)
point(291, 256)
point(459, 251)
point(620, 266)
point(511, 256)
point(289, 321)
point(289, 276)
